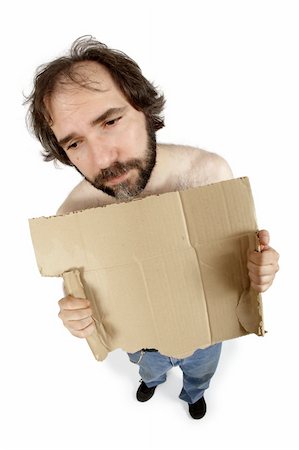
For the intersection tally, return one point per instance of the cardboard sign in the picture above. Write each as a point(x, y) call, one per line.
point(167, 271)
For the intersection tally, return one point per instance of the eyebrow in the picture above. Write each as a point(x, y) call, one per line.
point(104, 116)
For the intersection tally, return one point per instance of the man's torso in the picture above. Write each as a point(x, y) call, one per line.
point(177, 168)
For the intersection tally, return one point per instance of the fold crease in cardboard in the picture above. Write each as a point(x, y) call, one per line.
point(167, 271)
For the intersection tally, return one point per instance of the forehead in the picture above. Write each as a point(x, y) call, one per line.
point(92, 84)
point(91, 73)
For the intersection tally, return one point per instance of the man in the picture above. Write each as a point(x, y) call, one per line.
point(94, 110)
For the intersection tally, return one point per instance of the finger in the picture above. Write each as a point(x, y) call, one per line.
point(260, 279)
point(70, 302)
point(264, 237)
point(78, 325)
point(75, 314)
point(261, 270)
point(84, 333)
point(269, 256)
point(261, 287)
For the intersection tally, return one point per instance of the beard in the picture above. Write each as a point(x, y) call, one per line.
point(126, 190)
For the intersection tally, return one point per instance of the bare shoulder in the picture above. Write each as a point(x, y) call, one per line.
point(83, 196)
point(196, 167)
point(212, 168)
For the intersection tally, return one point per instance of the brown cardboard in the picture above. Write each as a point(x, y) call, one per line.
point(167, 271)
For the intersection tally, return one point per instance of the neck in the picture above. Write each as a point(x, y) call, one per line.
point(157, 182)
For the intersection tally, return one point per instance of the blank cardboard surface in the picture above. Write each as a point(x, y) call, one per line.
point(168, 271)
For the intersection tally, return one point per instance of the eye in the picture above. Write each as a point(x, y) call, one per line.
point(73, 145)
point(112, 122)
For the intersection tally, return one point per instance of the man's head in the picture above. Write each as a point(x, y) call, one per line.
point(94, 110)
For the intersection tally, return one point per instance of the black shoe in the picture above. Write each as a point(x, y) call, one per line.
point(198, 409)
point(144, 393)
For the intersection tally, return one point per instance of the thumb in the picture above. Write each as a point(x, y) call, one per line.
point(264, 238)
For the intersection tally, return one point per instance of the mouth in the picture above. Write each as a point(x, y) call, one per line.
point(117, 180)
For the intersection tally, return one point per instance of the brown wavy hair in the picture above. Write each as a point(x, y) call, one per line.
point(125, 72)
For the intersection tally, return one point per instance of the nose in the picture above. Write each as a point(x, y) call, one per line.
point(102, 153)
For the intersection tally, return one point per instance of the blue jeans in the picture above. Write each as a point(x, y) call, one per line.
point(198, 369)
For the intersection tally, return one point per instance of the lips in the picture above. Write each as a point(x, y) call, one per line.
point(117, 180)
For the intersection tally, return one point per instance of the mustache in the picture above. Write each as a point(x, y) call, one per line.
point(116, 170)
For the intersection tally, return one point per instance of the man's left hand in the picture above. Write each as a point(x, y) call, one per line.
point(263, 265)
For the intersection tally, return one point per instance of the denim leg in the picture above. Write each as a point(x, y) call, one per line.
point(198, 370)
point(152, 366)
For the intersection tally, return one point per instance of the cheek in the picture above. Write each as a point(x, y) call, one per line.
point(73, 158)
point(135, 136)
point(80, 162)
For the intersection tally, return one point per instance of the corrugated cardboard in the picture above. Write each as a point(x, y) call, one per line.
point(168, 271)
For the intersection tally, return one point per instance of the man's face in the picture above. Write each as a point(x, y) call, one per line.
point(105, 138)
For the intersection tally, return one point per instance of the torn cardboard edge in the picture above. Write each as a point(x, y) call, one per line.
point(167, 271)
point(98, 340)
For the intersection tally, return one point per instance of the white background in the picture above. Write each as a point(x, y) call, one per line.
point(229, 70)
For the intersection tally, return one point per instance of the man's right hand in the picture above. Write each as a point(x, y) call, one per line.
point(76, 315)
